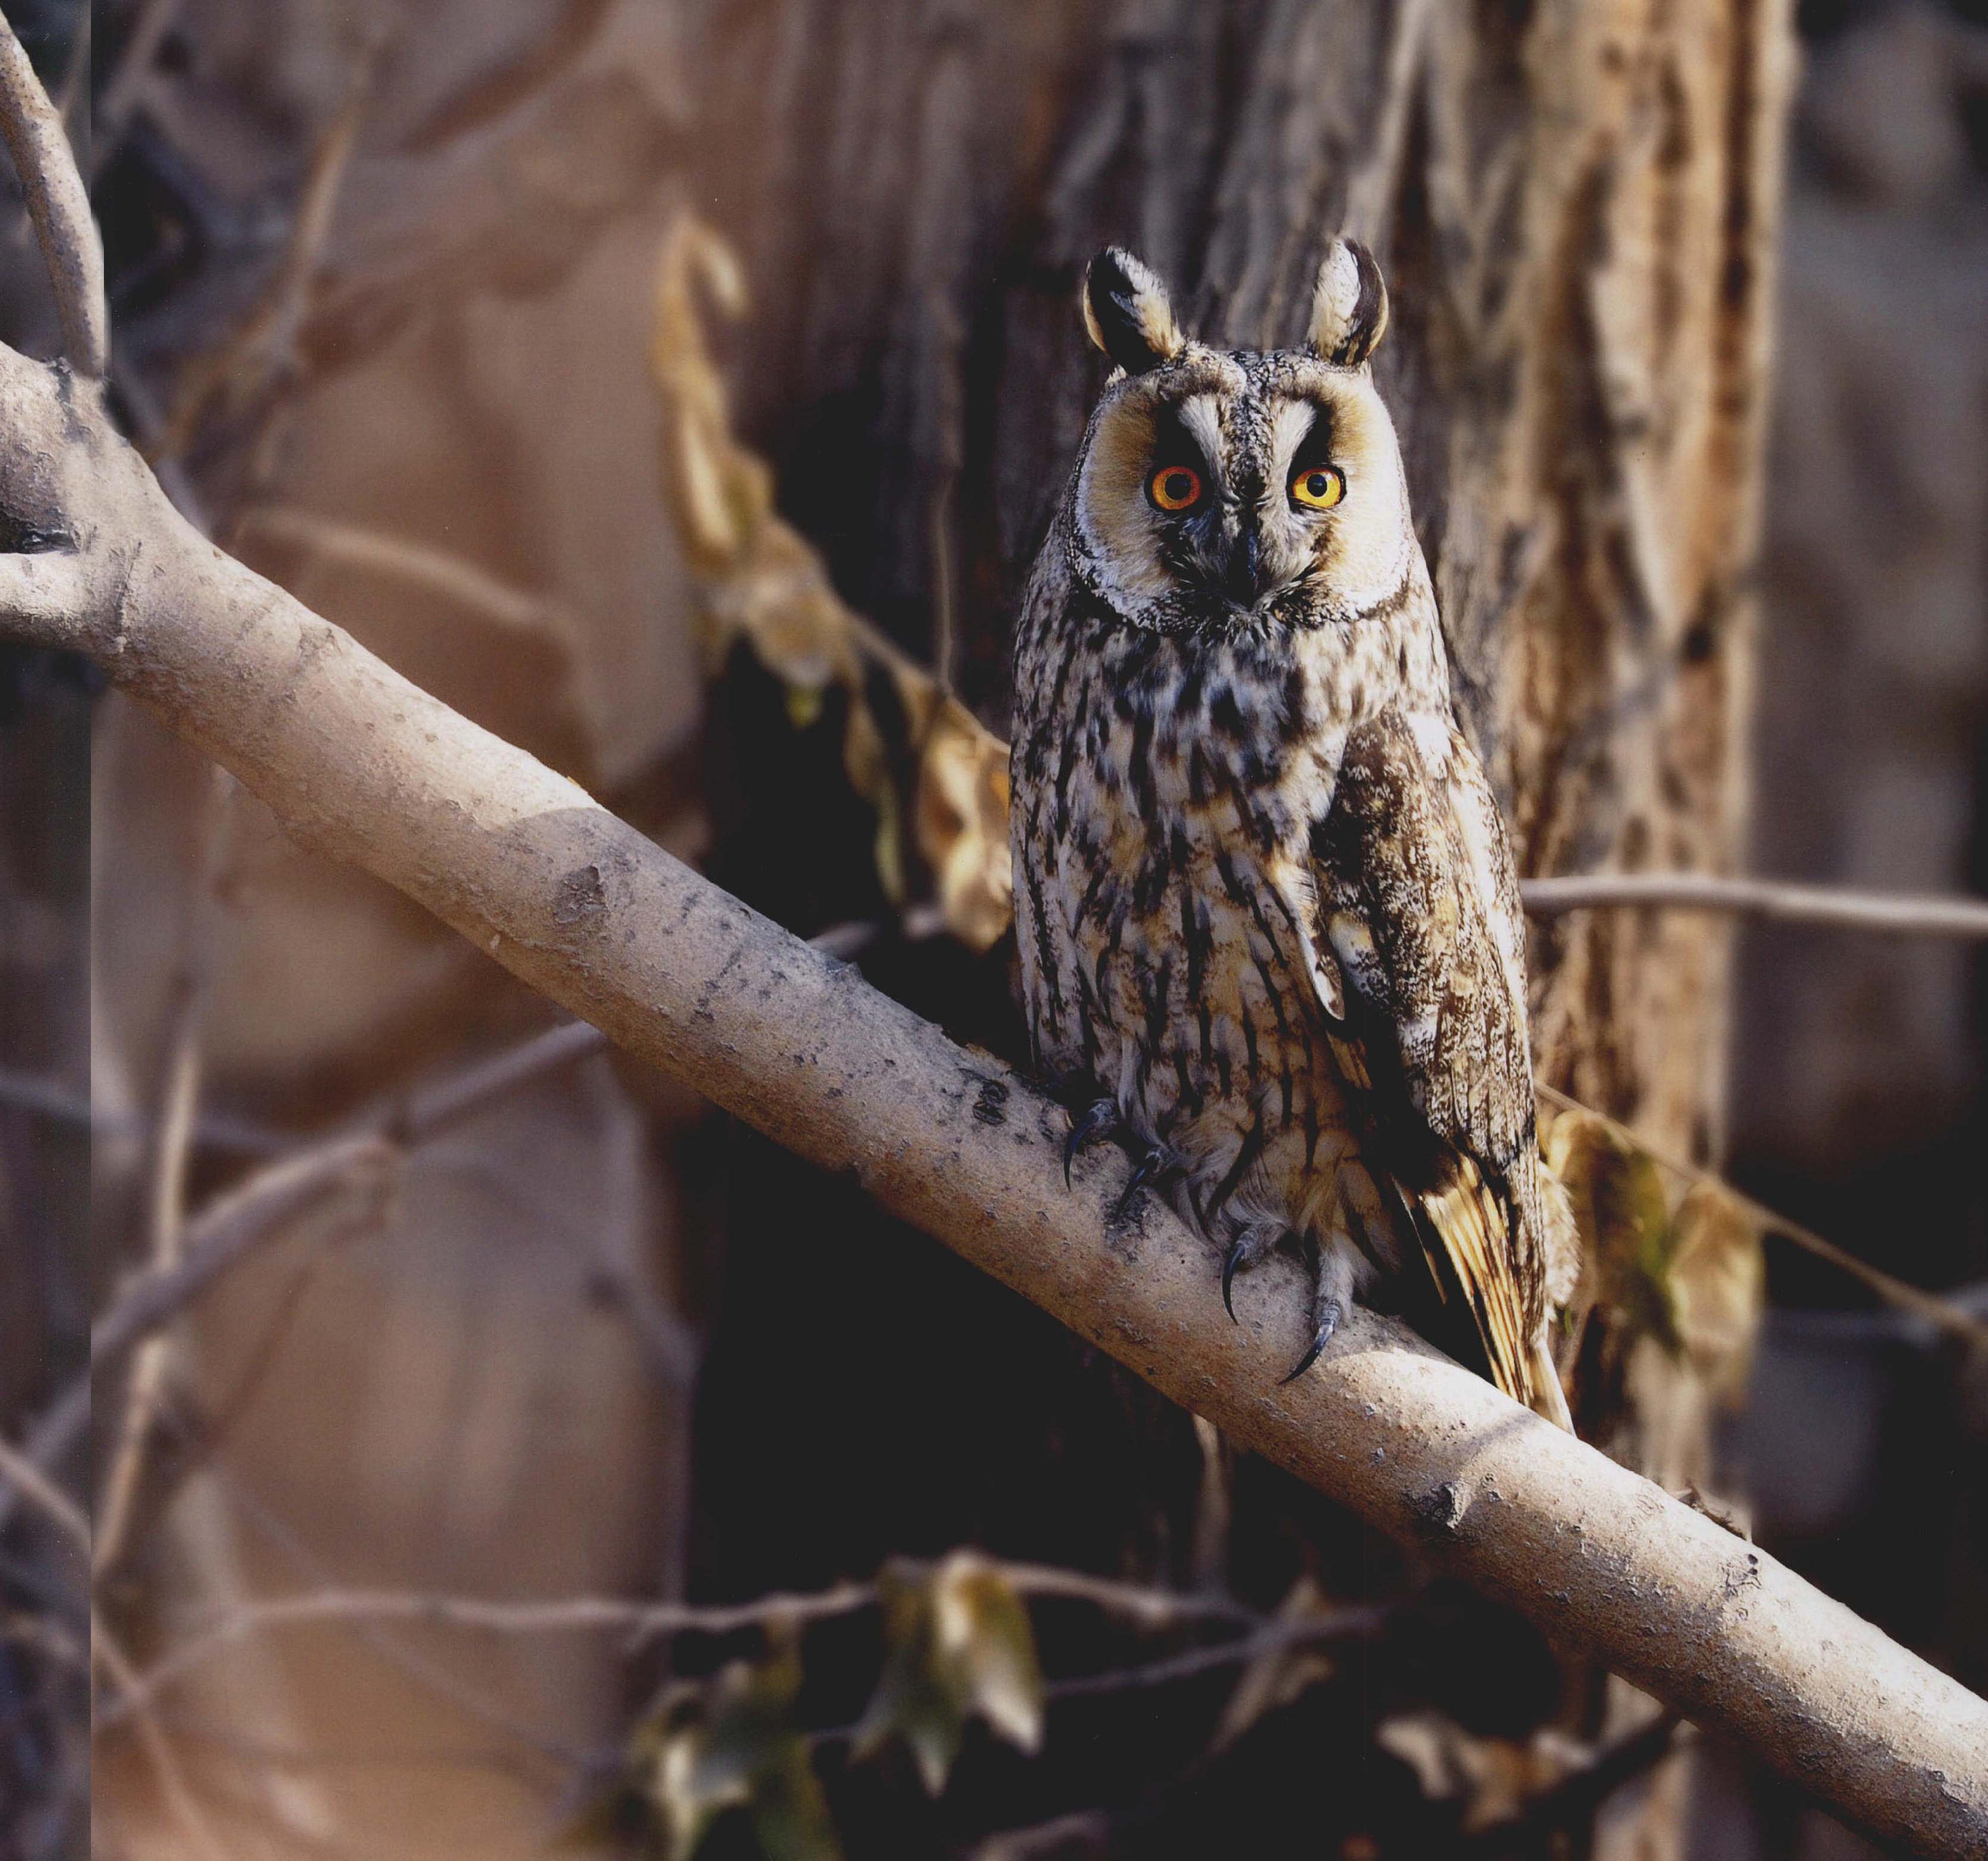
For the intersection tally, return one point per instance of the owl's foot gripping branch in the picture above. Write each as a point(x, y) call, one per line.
point(362, 765)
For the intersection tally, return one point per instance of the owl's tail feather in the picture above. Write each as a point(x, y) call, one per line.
point(1465, 1229)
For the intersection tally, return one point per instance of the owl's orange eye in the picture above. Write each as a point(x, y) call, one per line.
point(1174, 487)
point(1318, 488)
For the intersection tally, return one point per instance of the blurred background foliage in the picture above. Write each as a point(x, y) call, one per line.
point(724, 515)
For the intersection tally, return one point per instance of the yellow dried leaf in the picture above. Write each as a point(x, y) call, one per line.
point(804, 706)
point(1718, 1279)
point(761, 582)
point(1491, 1780)
point(962, 824)
point(962, 1645)
point(1617, 1194)
point(984, 1643)
point(730, 1743)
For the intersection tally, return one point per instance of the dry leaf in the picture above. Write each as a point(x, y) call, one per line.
point(731, 1744)
point(1491, 1780)
point(761, 583)
point(1623, 1218)
point(962, 825)
point(962, 1645)
point(1718, 1279)
point(1277, 1675)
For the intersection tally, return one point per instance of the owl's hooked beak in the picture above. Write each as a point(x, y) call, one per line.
point(1242, 571)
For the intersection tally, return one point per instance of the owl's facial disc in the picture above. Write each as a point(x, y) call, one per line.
point(1224, 489)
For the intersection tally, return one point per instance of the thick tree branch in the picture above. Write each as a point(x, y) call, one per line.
point(364, 767)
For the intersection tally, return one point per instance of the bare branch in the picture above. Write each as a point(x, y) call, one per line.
point(363, 765)
point(1298, 1632)
point(432, 571)
point(58, 1429)
point(144, 37)
point(426, 1111)
point(107, 1653)
point(642, 1621)
point(165, 1192)
point(230, 1228)
point(1899, 914)
point(47, 1498)
point(228, 1231)
point(59, 207)
point(261, 351)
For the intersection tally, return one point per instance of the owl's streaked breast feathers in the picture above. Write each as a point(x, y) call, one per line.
point(1265, 903)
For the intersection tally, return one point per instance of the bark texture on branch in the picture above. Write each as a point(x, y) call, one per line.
point(359, 762)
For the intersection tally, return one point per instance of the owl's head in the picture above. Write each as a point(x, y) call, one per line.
point(1221, 487)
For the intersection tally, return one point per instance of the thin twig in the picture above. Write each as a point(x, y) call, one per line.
point(108, 1653)
point(1149, 1607)
point(172, 1143)
point(42, 1097)
point(59, 206)
point(229, 1229)
point(430, 1675)
point(1272, 1635)
point(48, 1498)
point(1927, 1305)
point(1093, 1826)
point(47, 1638)
point(435, 572)
point(642, 1621)
point(49, 1439)
point(262, 348)
point(424, 1111)
point(1899, 914)
point(127, 80)
point(232, 1226)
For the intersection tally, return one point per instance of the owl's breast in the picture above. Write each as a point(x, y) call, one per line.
point(1164, 793)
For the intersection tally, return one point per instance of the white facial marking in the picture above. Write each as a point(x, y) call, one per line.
point(1201, 414)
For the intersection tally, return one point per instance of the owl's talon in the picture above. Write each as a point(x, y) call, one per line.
point(1248, 1247)
point(1328, 1322)
point(1144, 1171)
point(1228, 1266)
point(1099, 1119)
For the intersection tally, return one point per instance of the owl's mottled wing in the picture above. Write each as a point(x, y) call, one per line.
point(1420, 909)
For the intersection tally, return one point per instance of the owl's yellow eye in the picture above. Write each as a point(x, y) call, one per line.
point(1174, 487)
point(1318, 488)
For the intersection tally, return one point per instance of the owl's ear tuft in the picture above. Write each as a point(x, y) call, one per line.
point(1126, 310)
point(1349, 305)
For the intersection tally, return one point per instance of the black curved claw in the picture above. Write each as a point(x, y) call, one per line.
point(1228, 1267)
point(1099, 1119)
point(1328, 1322)
point(1148, 1166)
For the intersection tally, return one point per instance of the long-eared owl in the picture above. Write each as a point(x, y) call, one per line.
point(1268, 925)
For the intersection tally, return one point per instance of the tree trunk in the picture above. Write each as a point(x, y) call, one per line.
point(1575, 204)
